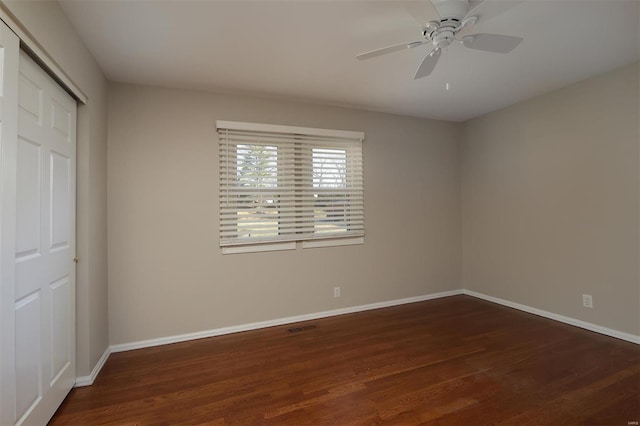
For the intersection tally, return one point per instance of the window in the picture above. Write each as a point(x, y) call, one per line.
point(329, 183)
point(281, 184)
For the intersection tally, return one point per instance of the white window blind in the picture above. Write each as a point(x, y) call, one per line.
point(282, 183)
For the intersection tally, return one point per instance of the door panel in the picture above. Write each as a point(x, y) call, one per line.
point(60, 337)
point(60, 197)
point(28, 352)
point(28, 224)
point(44, 286)
point(37, 238)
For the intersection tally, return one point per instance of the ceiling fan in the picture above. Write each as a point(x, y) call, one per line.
point(455, 16)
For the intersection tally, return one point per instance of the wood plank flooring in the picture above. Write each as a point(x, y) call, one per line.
point(450, 361)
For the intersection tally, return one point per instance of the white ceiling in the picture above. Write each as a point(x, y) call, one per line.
point(306, 49)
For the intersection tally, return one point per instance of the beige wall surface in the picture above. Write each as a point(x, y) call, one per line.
point(167, 275)
point(49, 26)
point(550, 201)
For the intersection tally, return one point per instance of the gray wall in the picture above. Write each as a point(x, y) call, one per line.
point(550, 201)
point(49, 26)
point(167, 275)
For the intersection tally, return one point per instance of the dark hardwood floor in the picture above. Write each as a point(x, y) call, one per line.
point(450, 361)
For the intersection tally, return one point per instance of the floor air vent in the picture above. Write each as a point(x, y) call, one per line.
point(301, 329)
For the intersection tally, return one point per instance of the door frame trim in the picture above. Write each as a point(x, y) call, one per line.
point(38, 53)
point(8, 164)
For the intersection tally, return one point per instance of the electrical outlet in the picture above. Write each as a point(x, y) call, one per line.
point(587, 301)
point(336, 292)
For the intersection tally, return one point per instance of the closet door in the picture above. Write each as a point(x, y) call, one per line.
point(43, 290)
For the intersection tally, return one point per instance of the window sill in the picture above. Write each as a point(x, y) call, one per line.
point(254, 248)
point(292, 245)
point(332, 242)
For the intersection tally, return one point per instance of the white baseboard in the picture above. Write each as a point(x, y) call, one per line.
point(88, 380)
point(561, 318)
point(270, 323)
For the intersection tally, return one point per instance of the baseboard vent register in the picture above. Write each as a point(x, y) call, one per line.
point(301, 329)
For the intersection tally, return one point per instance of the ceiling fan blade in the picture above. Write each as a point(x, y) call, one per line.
point(487, 9)
point(428, 64)
point(496, 43)
point(389, 49)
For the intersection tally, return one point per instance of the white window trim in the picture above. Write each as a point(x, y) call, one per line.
point(261, 127)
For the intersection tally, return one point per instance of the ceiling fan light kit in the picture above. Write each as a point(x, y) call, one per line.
point(442, 32)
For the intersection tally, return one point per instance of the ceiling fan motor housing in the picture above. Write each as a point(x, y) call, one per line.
point(452, 12)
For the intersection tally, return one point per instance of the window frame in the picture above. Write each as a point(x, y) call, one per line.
point(349, 141)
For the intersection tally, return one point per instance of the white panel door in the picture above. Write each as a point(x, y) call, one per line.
point(44, 271)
